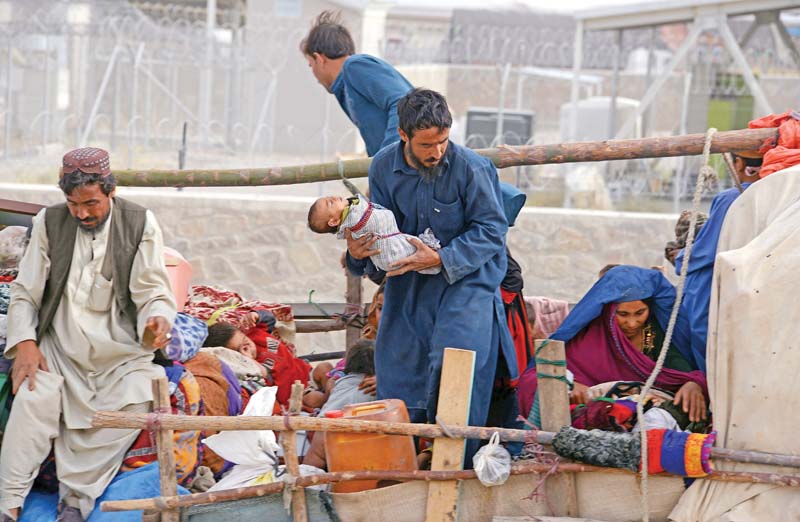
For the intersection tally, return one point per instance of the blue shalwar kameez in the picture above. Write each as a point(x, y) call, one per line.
point(697, 290)
point(457, 308)
point(368, 90)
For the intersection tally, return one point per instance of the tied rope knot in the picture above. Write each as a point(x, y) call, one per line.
point(347, 183)
point(286, 416)
point(445, 430)
point(289, 485)
point(153, 422)
point(552, 362)
point(352, 316)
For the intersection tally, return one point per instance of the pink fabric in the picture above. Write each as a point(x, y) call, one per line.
point(337, 370)
point(547, 315)
point(601, 353)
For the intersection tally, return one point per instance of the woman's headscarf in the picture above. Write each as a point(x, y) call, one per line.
point(597, 350)
point(628, 283)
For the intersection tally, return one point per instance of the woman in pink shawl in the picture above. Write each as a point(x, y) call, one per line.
point(615, 333)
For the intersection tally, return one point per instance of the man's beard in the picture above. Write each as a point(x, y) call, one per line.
point(428, 173)
point(91, 226)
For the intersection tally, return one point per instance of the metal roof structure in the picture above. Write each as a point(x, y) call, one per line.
point(702, 15)
point(672, 11)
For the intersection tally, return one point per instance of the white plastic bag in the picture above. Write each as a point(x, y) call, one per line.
point(492, 463)
point(250, 447)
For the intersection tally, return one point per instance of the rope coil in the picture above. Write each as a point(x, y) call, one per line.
point(552, 362)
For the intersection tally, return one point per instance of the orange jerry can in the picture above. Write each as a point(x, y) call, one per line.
point(370, 451)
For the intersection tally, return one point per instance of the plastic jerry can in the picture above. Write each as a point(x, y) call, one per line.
point(370, 451)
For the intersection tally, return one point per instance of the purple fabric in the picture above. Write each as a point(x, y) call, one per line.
point(601, 353)
point(234, 391)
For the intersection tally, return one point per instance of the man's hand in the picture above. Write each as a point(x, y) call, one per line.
point(369, 385)
point(691, 397)
point(424, 257)
point(362, 247)
point(29, 359)
point(159, 329)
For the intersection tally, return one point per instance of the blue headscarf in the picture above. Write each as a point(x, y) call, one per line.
point(629, 283)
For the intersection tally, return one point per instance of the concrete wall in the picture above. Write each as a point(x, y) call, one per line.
point(259, 245)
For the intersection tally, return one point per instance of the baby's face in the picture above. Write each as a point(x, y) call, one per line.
point(329, 210)
point(242, 344)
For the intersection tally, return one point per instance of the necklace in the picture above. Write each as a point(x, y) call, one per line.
point(648, 339)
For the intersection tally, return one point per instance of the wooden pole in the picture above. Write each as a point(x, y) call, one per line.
point(518, 468)
point(289, 444)
point(322, 325)
point(114, 419)
point(455, 391)
point(119, 419)
point(554, 410)
point(355, 302)
point(503, 156)
point(164, 446)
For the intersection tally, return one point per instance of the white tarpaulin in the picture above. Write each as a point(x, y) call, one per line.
point(753, 352)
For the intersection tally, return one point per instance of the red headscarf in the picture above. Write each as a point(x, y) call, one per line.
point(786, 152)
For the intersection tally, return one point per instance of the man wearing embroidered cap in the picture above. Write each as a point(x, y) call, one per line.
point(91, 286)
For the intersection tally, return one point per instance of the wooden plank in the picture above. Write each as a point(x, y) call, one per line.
point(320, 310)
point(322, 356)
point(455, 392)
point(289, 444)
point(20, 207)
point(17, 213)
point(164, 446)
point(353, 298)
point(554, 412)
point(317, 326)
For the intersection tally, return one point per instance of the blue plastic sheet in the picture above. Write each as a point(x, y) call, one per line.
point(139, 483)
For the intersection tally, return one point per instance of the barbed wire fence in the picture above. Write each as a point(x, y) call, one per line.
point(519, 63)
point(130, 75)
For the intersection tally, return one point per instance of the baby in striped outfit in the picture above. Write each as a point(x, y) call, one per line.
point(335, 215)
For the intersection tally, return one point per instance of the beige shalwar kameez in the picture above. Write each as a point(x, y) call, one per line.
point(95, 363)
point(753, 353)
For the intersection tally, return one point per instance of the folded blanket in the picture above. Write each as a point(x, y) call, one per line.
point(547, 315)
point(676, 452)
point(242, 366)
point(221, 396)
point(217, 305)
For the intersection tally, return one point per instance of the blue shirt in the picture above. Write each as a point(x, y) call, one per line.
point(461, 306)
point(697, 290)
point(368, 90)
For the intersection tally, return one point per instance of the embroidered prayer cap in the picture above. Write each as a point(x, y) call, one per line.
point(89, 160)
